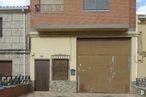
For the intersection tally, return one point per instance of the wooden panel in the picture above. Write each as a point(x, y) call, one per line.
point(103, 47)
point(6, 68)
point(93, 73)
point(42, 75)
point(60, 69)
point(120, 77)
point(103, 65)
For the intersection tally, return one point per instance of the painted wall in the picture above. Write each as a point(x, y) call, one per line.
point(133, 58)
point(44, 47)
point(142, 47)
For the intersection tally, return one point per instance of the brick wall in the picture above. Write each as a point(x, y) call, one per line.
point(121, 12)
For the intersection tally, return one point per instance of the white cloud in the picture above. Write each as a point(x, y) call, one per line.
point(14, 2)
point(142, 10)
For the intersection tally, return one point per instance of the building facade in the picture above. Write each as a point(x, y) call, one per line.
point(83, 45)
point(13, 41)
point(141, 25)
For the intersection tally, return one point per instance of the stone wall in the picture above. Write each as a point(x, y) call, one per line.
point(13, 31)
point(12, 41)
point(63, 86)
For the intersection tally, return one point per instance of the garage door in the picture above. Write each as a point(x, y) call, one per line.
point(103, 65)
point(5, 68)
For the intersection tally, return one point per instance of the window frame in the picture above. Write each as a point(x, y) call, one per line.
point(1, 26)
point(96, 10)
point(40, 7)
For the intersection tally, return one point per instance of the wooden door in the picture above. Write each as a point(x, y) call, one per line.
point(42, 68)
point(103, 65)
point(5, 68)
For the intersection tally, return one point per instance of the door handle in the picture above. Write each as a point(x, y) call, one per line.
point(113, 73)
point(78, 87)
point(113, 60)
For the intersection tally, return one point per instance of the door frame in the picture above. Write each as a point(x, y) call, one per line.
point(39, 59)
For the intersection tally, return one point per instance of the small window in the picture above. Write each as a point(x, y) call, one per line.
point(1, 28)
point(60, 69)
point(49, 6)
point(96, 5)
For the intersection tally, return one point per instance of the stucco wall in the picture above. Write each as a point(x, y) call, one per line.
point(44, 47)
point(133, 58)
point(142, 47)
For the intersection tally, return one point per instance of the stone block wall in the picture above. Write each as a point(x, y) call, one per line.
point(13, 41)
point(63, 86)
point(13, 31)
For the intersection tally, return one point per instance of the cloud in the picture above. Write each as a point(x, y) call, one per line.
point(141, 10)
point(14, 2)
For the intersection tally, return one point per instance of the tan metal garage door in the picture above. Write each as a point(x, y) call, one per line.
point(103, 65)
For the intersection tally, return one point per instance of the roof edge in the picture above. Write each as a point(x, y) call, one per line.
point(14, 8)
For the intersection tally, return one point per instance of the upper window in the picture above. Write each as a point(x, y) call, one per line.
point(96, 5)
point(1, 29)
point(50, 6)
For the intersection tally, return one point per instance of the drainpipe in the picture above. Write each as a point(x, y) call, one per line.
point(136, 56)
point(137, 46)
point(24, 43)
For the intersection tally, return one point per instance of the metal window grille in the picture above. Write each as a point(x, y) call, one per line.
point(60, 69)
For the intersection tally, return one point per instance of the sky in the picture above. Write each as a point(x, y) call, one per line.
point(14, 2)
point(141, 4)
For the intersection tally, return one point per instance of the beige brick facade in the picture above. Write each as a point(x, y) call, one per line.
point(13, 43)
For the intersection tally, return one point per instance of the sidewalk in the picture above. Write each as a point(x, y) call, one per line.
point(49, 94)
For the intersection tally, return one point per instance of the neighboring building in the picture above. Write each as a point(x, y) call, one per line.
point(83, 45)
point(142, 46)
point(13, 41)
